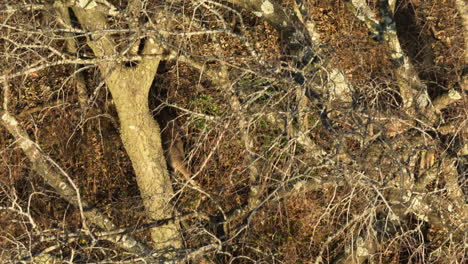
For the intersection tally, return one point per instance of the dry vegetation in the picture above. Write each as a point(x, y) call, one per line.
point(282, 170)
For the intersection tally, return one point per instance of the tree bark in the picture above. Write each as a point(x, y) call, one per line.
point(140, 133)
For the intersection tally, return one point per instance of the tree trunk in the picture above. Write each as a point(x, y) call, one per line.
point(140, 133)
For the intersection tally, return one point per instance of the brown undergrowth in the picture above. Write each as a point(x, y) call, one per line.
point(293, 230)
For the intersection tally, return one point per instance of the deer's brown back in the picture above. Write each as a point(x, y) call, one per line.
point(171, 142)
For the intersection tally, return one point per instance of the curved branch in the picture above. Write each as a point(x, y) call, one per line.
point(59, 180)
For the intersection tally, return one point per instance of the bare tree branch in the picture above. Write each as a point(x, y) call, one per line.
point(60, 181)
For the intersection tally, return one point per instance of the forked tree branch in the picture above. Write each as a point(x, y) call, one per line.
point(140, 133)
